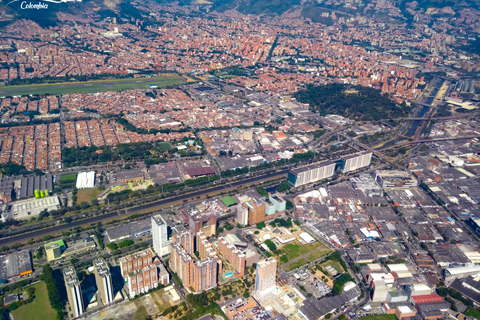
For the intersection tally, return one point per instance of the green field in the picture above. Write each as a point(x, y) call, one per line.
point(68, 178)
point(87, 195)
point(295, 250)
point(89, 86)
point(380, 317)
point(294, 265)
point(308, 253)
point(39, 308)
point(334, 264)
point(318, 254)
point(472, 312)
point(164, 146)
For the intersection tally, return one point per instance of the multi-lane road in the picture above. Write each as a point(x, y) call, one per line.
point(123, 213)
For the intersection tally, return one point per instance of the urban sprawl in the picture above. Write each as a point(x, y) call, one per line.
point(168, 161)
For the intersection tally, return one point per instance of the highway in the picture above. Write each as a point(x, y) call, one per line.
point(404, 143)
point(460, 116)
point(123, 213)
point(379, 155)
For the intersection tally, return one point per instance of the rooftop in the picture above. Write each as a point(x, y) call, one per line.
point(229, 201)
point(129, 229)
point(312, 167)
point(54, 244)
point(15, 264)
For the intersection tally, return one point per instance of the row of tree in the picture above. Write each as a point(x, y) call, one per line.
point(53, 280)
point(298, 157)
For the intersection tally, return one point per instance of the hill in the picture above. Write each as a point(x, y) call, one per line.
point(355, 102)
point(309, 9)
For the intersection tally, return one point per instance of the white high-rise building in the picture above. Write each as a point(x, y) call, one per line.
point(161, 245)
point(311, 173)
point(103, 279)
point(357, 161)
point(241, 214)
point(74, 291)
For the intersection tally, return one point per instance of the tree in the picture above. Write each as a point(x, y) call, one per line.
point(284, 186)
point(15, 246)
point(289, 205)
point(351, 134)
point(271, 245)
point(246, 294)
point(356, 102)
point(52, 287)
point(443, 292)
point(40, 252)
point(125, 243)
point(262, 192)
point(261, 225)
point(340, 282)
point(177, 279)
point(112, 246)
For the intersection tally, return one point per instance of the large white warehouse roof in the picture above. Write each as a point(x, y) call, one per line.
point(86, 180)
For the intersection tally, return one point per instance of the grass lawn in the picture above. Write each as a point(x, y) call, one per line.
point(141, 313)
point(160, 302)
point(380, 317)
point(87, 195)
point(295, 265)
point(68, 177)
point(295, 250)
point(164, 146)
point(318, 254)
point(334, 264)
point(472, 312)
point(90, 86)
point(39, 308)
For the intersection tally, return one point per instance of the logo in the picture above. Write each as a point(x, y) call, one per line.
point(39, 5)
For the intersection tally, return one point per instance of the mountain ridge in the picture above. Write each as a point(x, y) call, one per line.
point(402, 11)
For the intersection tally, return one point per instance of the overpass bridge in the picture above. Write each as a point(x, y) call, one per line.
point(406, 142)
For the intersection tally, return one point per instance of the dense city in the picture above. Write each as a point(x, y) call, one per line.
point(240, 159)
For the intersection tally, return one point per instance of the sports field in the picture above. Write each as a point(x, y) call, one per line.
point(89, 86)
point(39, 308)
point(87, 195)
